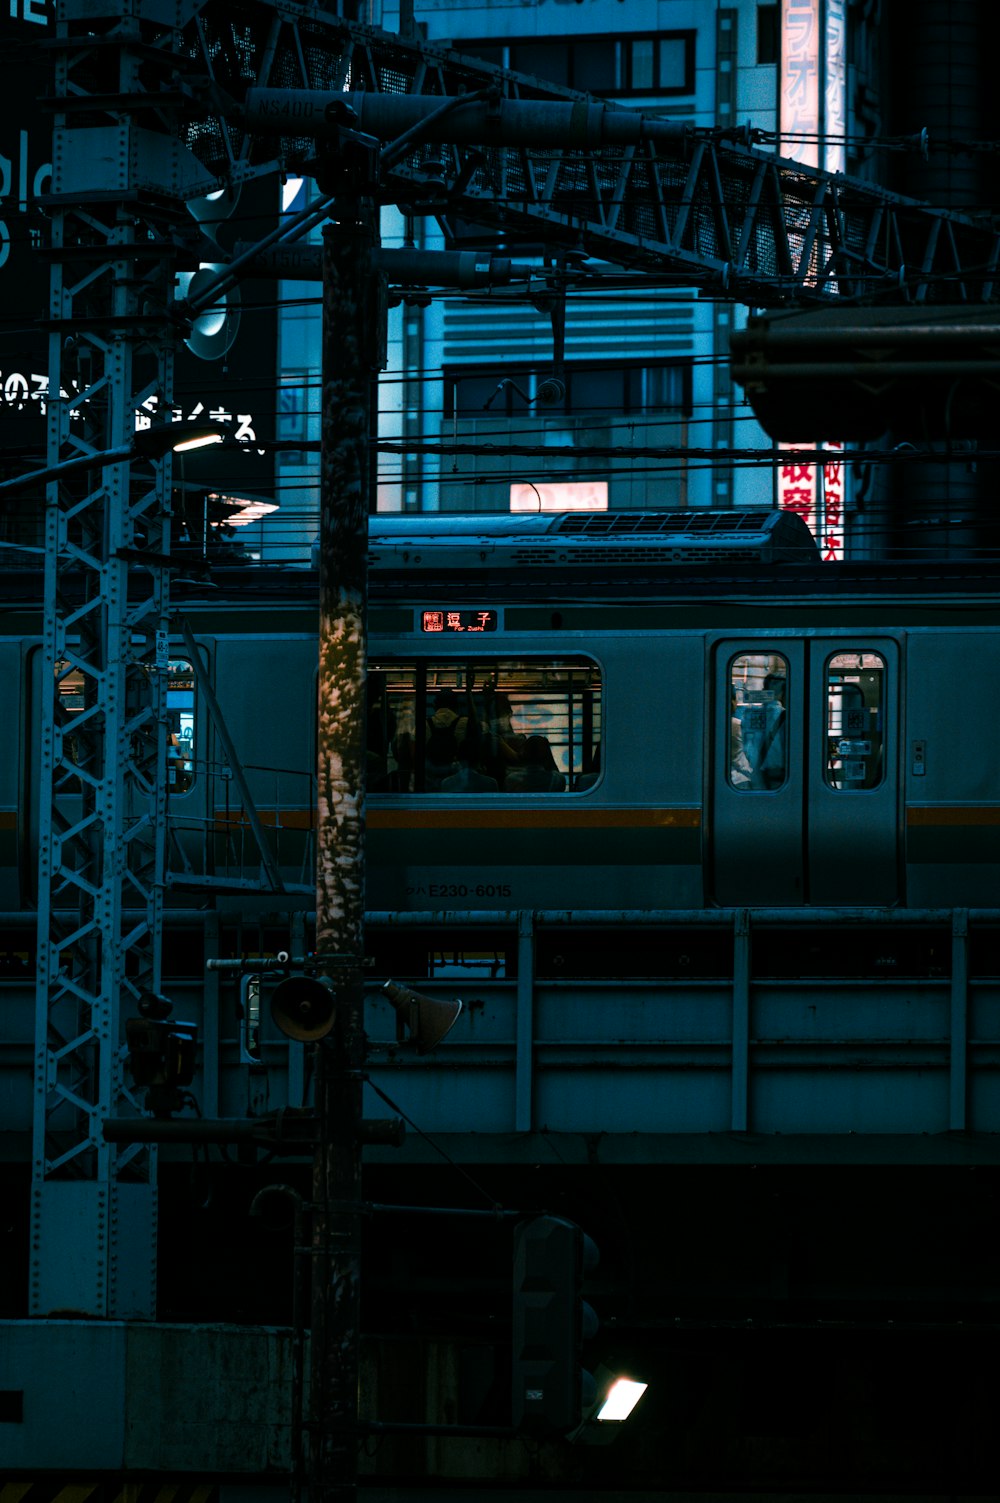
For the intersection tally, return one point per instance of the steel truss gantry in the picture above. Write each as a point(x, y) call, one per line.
point(102, 812)
point(150, 113)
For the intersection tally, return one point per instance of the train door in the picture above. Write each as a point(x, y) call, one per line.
point(804, 797)
point(757, 785)
point(852, 790)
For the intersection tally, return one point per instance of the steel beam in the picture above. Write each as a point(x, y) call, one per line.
point(103, 763)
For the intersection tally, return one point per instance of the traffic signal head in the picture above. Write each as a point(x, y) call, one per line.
point(551, 1320)
point(161, 1057)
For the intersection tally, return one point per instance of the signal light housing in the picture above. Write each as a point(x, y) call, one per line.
point(161, 1057)
point(550, 1387)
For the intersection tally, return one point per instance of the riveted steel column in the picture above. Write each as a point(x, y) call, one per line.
point(102, 768)
point(351, 357)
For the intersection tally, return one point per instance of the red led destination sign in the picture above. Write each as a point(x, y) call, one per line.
point(445, 621)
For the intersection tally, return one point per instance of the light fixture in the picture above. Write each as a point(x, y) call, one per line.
point(621, 1399)
point(240, 510)
point(615, 1398)
point(178, 438)
point(146, 443)
point(201, 441)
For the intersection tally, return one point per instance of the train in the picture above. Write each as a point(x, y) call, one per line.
point(643, 712)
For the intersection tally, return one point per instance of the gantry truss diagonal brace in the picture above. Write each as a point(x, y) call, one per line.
point(719, 214)
point(716, 213)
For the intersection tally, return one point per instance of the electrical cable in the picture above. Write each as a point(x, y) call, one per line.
point(494, 1204)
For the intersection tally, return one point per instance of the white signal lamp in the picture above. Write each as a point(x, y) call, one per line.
point(621, 1399)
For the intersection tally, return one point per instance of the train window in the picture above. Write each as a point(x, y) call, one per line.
point(758, 698)
point(855, 697)
point(180, 725)
point(179, 713)
point(504, 726)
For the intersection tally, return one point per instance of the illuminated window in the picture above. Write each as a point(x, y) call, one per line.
point(485, 727)
point(559, 495)
point(179, 713)
point(855, 698)
point(758, 709)
point(180, 725)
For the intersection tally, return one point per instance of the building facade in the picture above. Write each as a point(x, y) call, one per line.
point(643, 360)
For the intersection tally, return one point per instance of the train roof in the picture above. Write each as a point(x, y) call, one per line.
point(568, 540)
point(757, 556)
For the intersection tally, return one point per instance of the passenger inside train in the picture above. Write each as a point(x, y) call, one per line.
point(508, 727)
point(757, 755)
point(469, 776)
point(536, 771)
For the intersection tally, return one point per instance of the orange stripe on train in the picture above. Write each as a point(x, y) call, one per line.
point(485, 819)
point(953, 814)
point(533, 819)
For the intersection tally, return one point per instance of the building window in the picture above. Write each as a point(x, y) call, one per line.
point(767, 34)
point(626, 390)
point(484, 726)
point(649, 63)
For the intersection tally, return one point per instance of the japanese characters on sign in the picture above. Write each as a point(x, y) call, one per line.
point(797, 488)
point(831, 539)
point(816, 493)
point(446, 621)
point(834, 157)
point(237, 392)
point(813, 101)
point(799, 83)
point(813, 122)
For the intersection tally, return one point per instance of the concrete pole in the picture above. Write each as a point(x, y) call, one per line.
point(352, 344)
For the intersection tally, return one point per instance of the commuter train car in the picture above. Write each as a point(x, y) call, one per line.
point(611, 712)
point(723, 723)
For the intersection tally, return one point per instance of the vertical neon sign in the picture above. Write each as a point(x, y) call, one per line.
point(799, 102)
point(813, 121)
point(831, 537)
point(834, 140)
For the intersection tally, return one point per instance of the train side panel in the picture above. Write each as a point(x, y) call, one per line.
point(952, 754)
point(265, 687)
point(627, 833)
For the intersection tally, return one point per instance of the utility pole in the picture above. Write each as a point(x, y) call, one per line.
point(353, 340)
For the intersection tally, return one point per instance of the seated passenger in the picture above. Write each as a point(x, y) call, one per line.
point(589, 778)
point(446, 730)
point(502, 746)
point(469, 778)
point(399, 778)
point(537, 771)
point(381, 732)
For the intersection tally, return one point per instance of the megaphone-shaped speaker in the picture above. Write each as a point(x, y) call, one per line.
point(213, 332)
point(303, 1008)
point(427, 1020)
